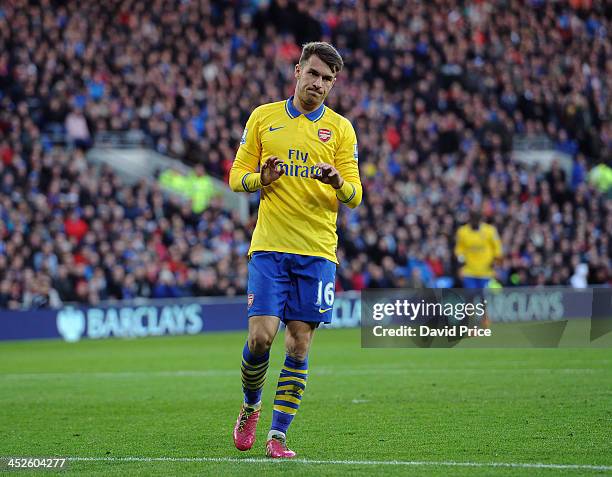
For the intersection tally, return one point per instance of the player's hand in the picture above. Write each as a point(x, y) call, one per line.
point(329, 175)
point(271, 170)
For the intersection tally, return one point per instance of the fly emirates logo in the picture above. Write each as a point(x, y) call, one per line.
point(295, 166)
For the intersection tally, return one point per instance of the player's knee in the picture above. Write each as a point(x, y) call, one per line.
point(260, 342)
point(298, 349)
point(298, 355)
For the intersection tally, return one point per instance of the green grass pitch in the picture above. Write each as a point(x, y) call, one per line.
point(432, 411)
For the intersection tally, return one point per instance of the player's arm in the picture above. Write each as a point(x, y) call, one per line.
point(244, 176)
point(344, 177)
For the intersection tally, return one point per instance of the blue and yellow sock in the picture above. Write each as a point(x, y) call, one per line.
point(253, 371)
point(291, 386)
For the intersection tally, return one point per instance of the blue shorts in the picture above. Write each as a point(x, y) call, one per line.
point(291, 287)
point(475, 282)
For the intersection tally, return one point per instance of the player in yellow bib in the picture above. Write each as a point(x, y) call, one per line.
point(303, 158)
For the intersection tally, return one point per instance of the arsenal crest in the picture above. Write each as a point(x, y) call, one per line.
point(250, 299)
point(324, 135)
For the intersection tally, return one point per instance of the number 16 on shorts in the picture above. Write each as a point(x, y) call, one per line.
point(325, 293)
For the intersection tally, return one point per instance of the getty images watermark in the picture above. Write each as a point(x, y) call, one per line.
point(513, 317)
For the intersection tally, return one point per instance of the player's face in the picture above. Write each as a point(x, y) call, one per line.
point(314, 82)
point(474, 219)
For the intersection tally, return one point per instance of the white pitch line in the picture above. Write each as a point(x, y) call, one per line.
point(251, 460)
point(316, 371)
point(124, 374)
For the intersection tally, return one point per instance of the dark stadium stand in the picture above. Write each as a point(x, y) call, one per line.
point(437, 93)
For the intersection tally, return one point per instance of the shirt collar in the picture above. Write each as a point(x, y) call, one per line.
point(294, 113)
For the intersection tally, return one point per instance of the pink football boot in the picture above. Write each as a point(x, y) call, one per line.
point(277, 449)
point(244, 430)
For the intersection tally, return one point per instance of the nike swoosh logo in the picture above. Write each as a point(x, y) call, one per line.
point(276, 129)
point(324, 311)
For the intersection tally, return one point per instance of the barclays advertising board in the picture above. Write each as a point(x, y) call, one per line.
point(148, 318)
point(193, 316)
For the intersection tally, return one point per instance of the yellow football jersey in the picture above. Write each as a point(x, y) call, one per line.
point(478, 248)
point(297, 213)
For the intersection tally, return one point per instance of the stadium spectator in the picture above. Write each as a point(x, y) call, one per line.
point(40, 294)
point(579, 278)
point(77, 129)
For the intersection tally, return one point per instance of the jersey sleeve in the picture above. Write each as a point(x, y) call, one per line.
point(243, 175)
point(347, 164)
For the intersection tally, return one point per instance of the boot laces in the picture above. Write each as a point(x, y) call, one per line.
point(244, 417)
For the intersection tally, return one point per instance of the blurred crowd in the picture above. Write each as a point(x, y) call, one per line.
point(436, 91)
